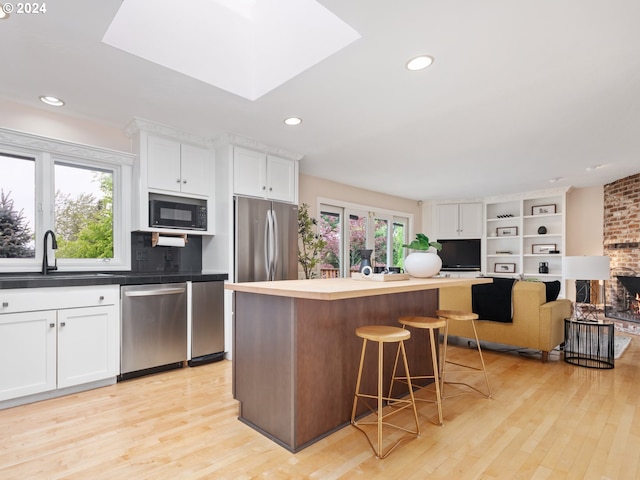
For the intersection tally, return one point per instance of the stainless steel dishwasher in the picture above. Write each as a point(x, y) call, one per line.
point(207, 322)
point(154, 328)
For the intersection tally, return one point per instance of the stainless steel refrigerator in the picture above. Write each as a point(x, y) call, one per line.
point(266, 240)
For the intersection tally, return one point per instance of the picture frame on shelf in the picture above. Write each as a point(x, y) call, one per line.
point(543, 249)
point(504, 268)
point(543, 209)
point(506, 231)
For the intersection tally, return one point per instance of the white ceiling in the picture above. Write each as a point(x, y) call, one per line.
point(519, 93)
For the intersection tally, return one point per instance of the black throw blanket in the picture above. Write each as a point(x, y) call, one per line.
point(492, 301)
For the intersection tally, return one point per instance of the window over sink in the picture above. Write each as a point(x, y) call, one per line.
point(78, 192)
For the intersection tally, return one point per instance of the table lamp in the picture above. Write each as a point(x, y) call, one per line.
point(586, 268)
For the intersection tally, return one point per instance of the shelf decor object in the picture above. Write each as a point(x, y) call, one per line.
point(506, 231)
point(504, 268)
point(591, 268)
point(543, 249)
point(543, 209)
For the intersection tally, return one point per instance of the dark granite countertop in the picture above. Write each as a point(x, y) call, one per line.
point(80, 279)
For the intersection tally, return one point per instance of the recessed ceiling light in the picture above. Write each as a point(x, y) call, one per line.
point(293, 121)
point(49, 100)
point(418, 63)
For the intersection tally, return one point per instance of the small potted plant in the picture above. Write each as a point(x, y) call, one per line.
point(424, 261)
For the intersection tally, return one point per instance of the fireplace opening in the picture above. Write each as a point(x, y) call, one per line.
point(625, 299)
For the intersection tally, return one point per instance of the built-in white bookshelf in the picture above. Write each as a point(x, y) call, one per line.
point(525, 232)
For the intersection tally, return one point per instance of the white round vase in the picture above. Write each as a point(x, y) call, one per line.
point(422, 264)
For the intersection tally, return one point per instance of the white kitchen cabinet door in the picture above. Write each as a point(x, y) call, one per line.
point(163, 166)
point(447, 218)
point(470, 216)
point(87, 345)
point(195, 170)
point(249, 172)
point(178, 167)
point(27, 353)
point(281, 179)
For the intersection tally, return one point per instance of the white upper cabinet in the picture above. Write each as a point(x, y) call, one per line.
point(459, 220)
point(260, 175)
point(178, 167)
point(282, 179)
point(249, 172)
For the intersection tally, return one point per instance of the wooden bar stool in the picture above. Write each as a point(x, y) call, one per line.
point(453, 315)
point(430, 324)
point(383, 334)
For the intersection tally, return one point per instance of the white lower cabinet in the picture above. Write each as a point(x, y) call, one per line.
point(86, 337)
point(27, 353)
point(46, 350)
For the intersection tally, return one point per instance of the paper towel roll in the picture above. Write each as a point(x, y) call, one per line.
point(171, 241)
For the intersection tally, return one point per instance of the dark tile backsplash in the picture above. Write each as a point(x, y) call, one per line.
point(148, 259)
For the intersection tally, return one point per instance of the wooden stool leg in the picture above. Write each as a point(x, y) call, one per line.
point(444, 356)
point(355, 398)
point(484, 369)
point(380, 367)
point(436, 367)
point(413, 400)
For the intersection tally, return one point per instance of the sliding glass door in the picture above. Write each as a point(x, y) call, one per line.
point(348, 231)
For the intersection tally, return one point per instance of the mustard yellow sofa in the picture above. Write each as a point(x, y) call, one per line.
point(537, 324)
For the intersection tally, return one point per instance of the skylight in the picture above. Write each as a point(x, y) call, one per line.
point(246, 47)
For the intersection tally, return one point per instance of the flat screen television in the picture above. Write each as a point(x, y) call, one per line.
point(460, 255)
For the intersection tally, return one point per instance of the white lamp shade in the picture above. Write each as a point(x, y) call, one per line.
point(586, 268)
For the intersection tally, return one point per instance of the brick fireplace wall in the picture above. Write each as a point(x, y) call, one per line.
point(622, 235)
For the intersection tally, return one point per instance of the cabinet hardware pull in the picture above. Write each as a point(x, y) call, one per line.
point(184, 181)
point(270, 189)
point(62, 324)
point(5, 304)
point(178, 180)
point(51, 325)
point(101, 297)
point(264, 187)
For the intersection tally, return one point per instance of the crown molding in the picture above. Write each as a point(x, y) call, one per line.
point(239, 141)
point(140, 124)
point(15, 138)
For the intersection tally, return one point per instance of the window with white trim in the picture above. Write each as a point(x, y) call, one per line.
point(78, 192)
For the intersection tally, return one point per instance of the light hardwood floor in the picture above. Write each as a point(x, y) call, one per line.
point(546, 421)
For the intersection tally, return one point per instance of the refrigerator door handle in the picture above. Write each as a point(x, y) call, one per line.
point(275, 250)
point(267, 236)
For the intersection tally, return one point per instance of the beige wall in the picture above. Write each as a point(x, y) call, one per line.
point(585, 221)
point(54, 124)
point(311, 188)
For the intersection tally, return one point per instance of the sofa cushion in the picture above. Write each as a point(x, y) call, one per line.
point(492, 301)
point(553, 289)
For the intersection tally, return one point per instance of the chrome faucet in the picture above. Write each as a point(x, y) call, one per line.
point(54, 245)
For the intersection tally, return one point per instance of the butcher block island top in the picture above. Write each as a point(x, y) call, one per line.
point(342, 288)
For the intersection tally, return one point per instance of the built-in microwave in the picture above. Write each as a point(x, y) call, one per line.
point(176, 214)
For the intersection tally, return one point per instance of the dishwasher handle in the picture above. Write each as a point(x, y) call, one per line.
point(156, 292)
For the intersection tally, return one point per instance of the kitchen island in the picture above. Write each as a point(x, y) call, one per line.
point(295, 352)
